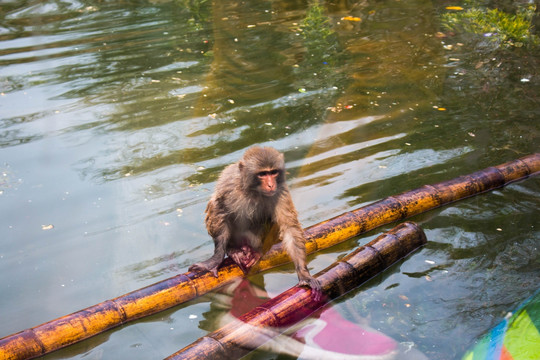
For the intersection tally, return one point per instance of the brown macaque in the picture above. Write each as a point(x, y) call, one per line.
point(250, 198)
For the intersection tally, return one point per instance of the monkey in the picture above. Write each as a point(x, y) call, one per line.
point(250, 198)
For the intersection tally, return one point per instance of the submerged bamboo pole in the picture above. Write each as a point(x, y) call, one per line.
point(268, 320)
point(154, 298)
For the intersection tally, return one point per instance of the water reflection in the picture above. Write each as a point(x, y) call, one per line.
point(118, 117)
point(325, 334)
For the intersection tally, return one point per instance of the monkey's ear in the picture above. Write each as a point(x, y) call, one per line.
point(240, 165)
point(282, 159)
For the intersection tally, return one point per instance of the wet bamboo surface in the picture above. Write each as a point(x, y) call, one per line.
point(160, 296)
point(268, 320)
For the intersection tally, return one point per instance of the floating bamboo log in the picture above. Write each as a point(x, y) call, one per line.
point(160, 296)
point(407, 204)
point(268, 320)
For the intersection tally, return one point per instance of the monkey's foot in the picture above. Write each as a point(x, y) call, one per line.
point(315, 285)
point(245, 257)
point(202, 266)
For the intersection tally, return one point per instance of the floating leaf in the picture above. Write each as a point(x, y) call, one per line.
point(351, 18)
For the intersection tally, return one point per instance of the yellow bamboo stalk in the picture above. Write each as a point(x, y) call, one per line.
point(407, 204)
point(154, 298)
point(268, 320)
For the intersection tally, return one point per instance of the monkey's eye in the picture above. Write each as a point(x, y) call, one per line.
point(273, 172)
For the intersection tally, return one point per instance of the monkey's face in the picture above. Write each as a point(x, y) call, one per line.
point(268, 181)
point(262, 170)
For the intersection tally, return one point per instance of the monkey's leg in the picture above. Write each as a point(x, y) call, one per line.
point(245, 257)
point(213, 263)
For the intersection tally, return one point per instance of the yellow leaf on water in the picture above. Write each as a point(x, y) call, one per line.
point(351, 18)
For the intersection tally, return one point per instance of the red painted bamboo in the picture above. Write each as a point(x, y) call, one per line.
point(93, 320)
point(256, 327)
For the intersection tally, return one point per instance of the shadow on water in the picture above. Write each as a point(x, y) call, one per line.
point(117, 118)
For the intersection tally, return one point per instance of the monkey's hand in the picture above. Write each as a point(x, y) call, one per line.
point(314, 284)
point(245, 257)
point(204, 266)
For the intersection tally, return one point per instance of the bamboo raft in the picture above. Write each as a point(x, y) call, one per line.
point(267, 320)
point(176, 290)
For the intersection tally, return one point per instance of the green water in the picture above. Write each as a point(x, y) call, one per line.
point(117, 117)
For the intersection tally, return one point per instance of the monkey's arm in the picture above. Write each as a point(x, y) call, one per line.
point(219, 230)
point(293, 242)
point(292, 237)
point(213, 262)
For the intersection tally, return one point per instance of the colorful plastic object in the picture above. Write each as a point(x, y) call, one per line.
point(517, 337)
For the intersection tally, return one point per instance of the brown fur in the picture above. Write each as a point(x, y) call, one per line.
point(240, 213)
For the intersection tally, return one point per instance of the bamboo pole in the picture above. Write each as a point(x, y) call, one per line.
point(160, 296)
point(268, 320)
point(407, 204)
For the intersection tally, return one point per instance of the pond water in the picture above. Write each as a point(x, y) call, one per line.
point(117, 117)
